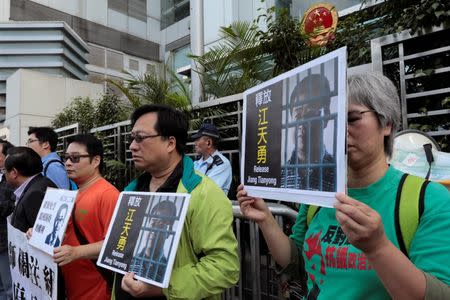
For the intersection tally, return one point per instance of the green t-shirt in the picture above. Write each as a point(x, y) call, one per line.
point(336, 269)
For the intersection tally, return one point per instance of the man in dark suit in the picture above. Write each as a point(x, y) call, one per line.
point(23, 169)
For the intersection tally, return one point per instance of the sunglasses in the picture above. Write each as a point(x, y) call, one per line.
point(138, 138)
point(354, 116)
point(75, 158)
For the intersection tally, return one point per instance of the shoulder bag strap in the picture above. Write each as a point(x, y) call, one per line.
point(49, 163)
point(409, 208)
point(107, 275)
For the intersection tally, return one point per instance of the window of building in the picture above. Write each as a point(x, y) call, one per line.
point(180, 58)
point(133, 64)
point(150, 69)
point(133, 8)
point(96, 56)
point(114, 60)
point(173, 11)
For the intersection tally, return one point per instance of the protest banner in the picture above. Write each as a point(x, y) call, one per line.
point(52, 219)
point(294, 130)
point(143, 235)
point(34, 274)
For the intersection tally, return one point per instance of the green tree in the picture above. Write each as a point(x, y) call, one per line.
point(151, 88)
point(80, 111)
point(110, 109)
point(357, 29)
point(414, 15)
point(90, 113)
point(283, 42)
point(236, 63)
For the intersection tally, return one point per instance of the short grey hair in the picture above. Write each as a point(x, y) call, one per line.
point(377, 92)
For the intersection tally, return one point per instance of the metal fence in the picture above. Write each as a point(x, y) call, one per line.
point(420, 66)
point(258, 279)
point(64, 133)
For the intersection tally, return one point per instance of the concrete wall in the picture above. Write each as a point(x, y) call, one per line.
point(4, 10)
point(34, 98)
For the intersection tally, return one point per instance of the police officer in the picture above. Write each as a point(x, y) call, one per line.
point(212, 163)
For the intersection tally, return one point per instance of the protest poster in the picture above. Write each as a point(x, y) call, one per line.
point(143, 235)
point(34, 274)
point(52, 219)
point(294, 130)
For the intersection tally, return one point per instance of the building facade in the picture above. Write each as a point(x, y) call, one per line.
point(140, 35)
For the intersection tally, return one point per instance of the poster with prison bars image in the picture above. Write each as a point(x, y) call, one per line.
point(143, 235)
point(34, 274)
point(52, 219)
point(294, 130)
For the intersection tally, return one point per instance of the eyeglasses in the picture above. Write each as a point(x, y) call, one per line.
point(354, 116)
point(75, 158)
point(138, 138)
point(32, 141)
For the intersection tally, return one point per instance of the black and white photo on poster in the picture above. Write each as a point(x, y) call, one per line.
point(143, 235)
point(52, 219)
point(294, 130)
point(34, 274)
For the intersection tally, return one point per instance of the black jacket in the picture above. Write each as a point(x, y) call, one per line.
point(7, 200)
point(27, 207)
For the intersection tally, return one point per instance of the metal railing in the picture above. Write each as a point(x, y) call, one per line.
point(64, 133)
point(257, 278)
point(420, 67)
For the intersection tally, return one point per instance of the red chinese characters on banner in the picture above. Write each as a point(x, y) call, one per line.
point(319, 24)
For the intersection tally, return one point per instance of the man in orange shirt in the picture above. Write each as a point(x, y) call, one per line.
point(91, 215)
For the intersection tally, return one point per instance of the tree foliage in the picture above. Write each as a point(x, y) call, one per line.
point(80, 111)
point(236, 63)
point(283, 42)
point(412, 14)
point(110, 109)
point(169, 90)
point(357, 29)
point(151, 88)
point(90, 113)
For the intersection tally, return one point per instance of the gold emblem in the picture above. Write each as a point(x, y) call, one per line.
point(319, 24)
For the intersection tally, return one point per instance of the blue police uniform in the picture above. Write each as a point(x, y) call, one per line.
point(218, 168)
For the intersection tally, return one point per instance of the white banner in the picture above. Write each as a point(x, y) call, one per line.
point(294, 131)
point(52, 219)
point(34, 274)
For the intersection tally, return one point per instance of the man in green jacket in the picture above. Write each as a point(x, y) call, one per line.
point(206, 262)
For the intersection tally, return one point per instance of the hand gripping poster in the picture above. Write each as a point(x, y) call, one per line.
point(294, 130)
point(52, 219)
point(143, 235)
point(34, 274)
